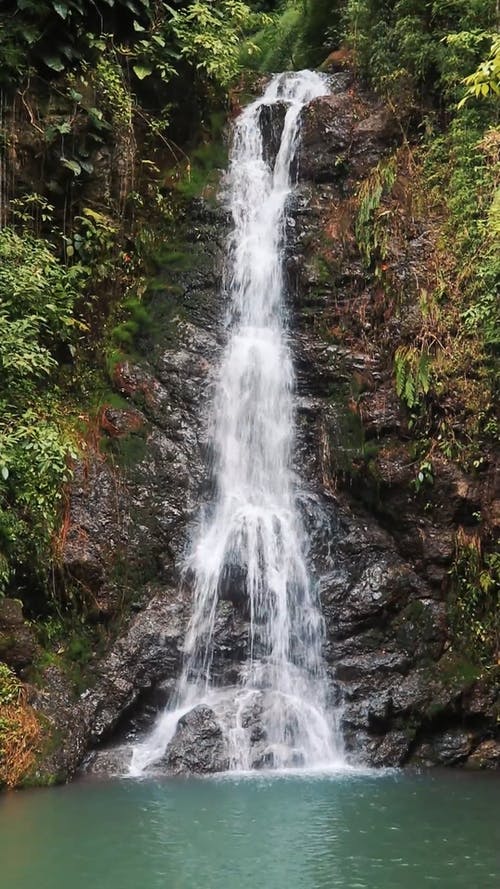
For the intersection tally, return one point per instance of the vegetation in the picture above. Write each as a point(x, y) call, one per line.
point(19, 730)
point(475, 600)
point(38, 326)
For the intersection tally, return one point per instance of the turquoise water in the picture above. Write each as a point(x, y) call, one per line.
point(391, 831)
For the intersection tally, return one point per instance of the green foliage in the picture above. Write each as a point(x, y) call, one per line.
point(10, 685)
point(425, 476)
point(370, 229)
point(209, 36)
point(94, 243)
point(54, 36)
point(113, 94)
point(475, 603)
point(37, 295)
point(408, 48)
point(485, 81)
point(299, 35)
point(279, 43)
point(136, 323)
point(154, 39)
point(412, 370)
point(37, 322)
point(205, 167)
point(465, 161)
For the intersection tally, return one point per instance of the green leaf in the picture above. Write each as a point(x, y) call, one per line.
point(87, 166)
point(72, 165)
point(142, 71)
point(5, 473)
point(61, 9)
point(54, 62)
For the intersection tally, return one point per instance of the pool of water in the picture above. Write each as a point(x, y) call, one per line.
point(354, 831)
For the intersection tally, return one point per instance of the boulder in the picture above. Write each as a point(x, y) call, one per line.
point(449, 747)
point(486, 756)
point(18, 647)
point(198, 744)
point(271, 122)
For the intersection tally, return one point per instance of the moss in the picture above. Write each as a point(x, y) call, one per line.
point(353, 456)
point(126, 451)
point(71, 644)
point(40, 774)
point(456, 671)
point(415, 626)
point(201, 176)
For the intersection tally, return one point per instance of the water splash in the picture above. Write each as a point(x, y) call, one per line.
point(253, 536)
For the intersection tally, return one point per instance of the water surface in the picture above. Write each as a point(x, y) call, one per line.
point(391, 831)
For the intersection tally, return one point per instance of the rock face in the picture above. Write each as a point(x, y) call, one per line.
point(271, 122)
point(18, 646)
point(198, 744)
point(380, 565)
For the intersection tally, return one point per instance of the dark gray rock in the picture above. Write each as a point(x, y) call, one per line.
point(18, 646)
point(198, 744)
point(343, 136)
point(271, 121)
point(486, 756)
point(449, 747)
point(107, 762)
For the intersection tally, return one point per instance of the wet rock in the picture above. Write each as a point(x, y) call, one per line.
point(343, 136)
point(483, 699)
point(371, 138)
point(450, 747)
point(251, 719)
point(117, 423)
point(264, 760)
point(107, 762)
point(198, 744)
point(232, 584)
point(486, 756)
point(381, 411)
point(230, 643)
point(271, 122)
point(18, 647)
point(390, 749)
point(97, 530)
point(326, 130)
point(146, 655)
point(337, 60)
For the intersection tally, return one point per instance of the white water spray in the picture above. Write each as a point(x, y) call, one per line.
point(254, 536)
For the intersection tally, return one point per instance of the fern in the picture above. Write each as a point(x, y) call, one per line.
point(412, 371)
point(370, 234)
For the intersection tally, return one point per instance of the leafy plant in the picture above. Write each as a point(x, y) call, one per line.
point(10, 685)
point(37, 320)
point(209, 36)
point(412, 370)
point(370, 230)
point(475, 602)
point(485, 81)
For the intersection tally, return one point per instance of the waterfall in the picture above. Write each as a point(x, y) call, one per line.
point(253, 535)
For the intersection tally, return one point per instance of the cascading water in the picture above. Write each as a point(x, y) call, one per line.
point(254, 531)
